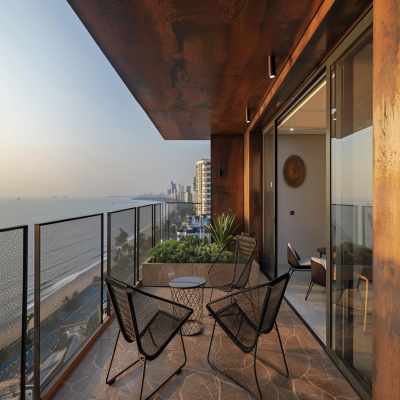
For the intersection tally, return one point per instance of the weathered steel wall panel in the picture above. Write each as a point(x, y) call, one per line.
point(253, 153)
point(333, 19)
point(386, 301)
point(227, 190)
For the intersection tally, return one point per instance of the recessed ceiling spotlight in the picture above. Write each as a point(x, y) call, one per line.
point(271, 67)
point(291, 129)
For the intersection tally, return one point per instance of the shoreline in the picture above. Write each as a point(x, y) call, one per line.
point(53, 302)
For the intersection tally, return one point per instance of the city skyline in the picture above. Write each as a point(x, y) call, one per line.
point(68, 124)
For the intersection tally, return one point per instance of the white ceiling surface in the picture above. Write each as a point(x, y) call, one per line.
point(310, 119)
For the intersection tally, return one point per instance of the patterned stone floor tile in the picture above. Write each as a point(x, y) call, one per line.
point(312, 374)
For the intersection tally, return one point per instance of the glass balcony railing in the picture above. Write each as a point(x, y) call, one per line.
point(69, 265)
point(72, 257)
point(14, 319)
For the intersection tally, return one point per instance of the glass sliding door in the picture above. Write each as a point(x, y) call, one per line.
point(269, 263)
point(351, 205)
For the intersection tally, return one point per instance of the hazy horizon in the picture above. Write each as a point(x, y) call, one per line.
point(68, 124)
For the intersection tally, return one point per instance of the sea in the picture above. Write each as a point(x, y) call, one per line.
point(32, 210)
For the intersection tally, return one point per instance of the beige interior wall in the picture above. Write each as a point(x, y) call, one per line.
point(305, 230)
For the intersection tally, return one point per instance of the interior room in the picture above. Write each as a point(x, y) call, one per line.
point(301, 202)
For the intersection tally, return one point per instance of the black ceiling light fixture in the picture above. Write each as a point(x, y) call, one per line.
point(248, 115)
point(271, 67)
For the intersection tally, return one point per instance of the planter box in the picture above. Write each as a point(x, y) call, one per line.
point(157, 274)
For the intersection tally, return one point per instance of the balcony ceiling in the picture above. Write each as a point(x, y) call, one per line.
point(194, 66)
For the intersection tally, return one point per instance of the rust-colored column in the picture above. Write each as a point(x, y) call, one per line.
point(227, 189)
point(253, 188)
point(386, 283)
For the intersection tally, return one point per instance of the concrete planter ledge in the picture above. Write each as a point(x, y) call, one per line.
point(160, 274)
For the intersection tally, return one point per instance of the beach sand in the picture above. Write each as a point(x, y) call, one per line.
point(54, 301)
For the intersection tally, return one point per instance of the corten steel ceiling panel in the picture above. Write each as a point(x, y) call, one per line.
point(195, 66)
point(340, 16)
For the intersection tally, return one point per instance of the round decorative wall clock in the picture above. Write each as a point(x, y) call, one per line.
point(294, 171)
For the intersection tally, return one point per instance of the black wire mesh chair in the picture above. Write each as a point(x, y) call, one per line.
point(295, 262)
point(148, 320)
point(318, 273)
point(247, 314)
point(226, 278)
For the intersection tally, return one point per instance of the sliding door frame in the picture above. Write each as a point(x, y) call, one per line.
point(356, 33)
point(270, 126)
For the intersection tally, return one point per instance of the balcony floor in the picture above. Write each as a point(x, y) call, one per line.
point(312, 374)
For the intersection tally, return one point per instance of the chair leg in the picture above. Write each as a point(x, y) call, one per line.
point(283, 354)
point(112, 380)
point(309, 289)
point(174, 373)
point(291, 270)
point(209, 314)
point(366, 299)
point(143, 375)
point(223, 373)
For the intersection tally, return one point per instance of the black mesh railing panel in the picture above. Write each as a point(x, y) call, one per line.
point(157, 224)
point(182, 219)
point(70, 289)
point(12, 314)
point(145, 235)
point(121, 253)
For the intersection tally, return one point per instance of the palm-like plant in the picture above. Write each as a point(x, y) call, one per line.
point(222, 232)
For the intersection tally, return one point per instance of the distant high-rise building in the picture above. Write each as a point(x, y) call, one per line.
point(188, 197)
point(202, 186)
point(172, 190)
point(181, 194)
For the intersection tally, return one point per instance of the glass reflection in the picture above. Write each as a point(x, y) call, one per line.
point(351, 209)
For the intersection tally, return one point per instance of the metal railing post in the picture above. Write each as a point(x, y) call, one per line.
point(24, 309)
point(108, 258)
point(102, 268)
point(153, 217)
point(137, 244)
point(36, 347)
point(135, 251)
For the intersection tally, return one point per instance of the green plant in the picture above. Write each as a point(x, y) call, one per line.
point(191, 249)
point(222, 232)
point(352, 253)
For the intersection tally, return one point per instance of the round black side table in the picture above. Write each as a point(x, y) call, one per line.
point(189, 291)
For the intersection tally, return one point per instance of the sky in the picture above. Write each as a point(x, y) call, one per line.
point(68, 124)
